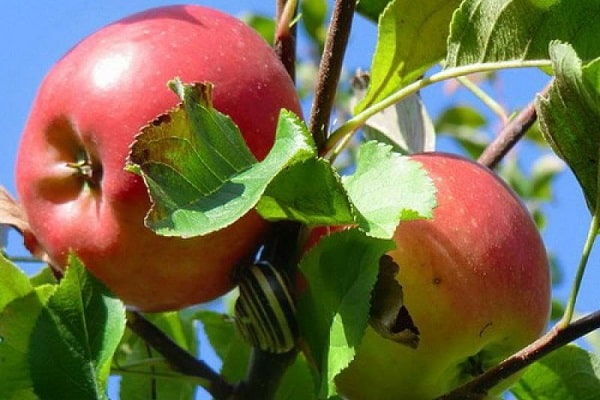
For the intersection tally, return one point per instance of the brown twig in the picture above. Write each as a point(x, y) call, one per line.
point(330, 69)
point(510, 134)
point(264, 377)
point(285, 35)
point(265, 370)
point(552, 340)
point(179, 359)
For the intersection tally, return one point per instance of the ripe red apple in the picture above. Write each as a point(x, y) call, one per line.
point(476, 283)
point(69, 171)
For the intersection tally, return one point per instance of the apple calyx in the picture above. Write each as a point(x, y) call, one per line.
point(85, 168)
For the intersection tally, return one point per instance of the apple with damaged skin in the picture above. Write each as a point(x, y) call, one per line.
point(70, 166)
point(476, 283)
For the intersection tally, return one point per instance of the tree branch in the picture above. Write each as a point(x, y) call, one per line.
point(330, 69)
point(285, 35)
point(179, 359)
point(555, 338)
point(510, 134)
point(265, 370)
point(264, 376)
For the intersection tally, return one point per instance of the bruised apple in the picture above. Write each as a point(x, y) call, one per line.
point(476, 283)
point(70, 166)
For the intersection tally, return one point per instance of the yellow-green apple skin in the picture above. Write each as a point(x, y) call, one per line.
point(94, 101)
point(476, 282)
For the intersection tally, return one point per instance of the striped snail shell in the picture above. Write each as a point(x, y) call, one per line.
point(265, 313)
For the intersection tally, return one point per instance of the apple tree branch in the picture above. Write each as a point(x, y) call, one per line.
point(510, 134)
point(178, 358)
point(330, 69)
point(555, 338)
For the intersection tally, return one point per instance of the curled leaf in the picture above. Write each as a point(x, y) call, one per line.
point(389, 317)
point(13, 215)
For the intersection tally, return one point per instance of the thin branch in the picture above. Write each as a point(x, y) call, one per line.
point(510, 134)
point(330, 69)
point(264, 376)
point(555, 338)
point(285, 35)
point(265, 370)
point(179, 359)
point(353, 124)
point(583, 261)
point(485, 98)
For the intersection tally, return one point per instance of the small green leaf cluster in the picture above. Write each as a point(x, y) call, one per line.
point(57, 339)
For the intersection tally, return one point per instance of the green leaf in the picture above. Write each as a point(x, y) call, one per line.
point(570, 115)
point(406, 125)
point(322, 202)
point(372, 8)
point(410, 40)
point(227, 343)
point(17, 322)
point(75, 337)
point(495, 30)
point(43, 276)
point(297, 383)
point(14, 283)
point(464, 124)
point(200, 174)
point(144, 372)
point(314, 14)
point(387, 188)
point(569, 373)
point(333, 313)
point(264, 25)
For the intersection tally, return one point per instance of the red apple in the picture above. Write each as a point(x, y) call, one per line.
point(476, 283)
point(70, 176)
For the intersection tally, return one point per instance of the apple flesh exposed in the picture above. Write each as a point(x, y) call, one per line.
point(476, 283)
point(69, 171)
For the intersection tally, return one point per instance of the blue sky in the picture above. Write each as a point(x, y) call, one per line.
point(35, 36)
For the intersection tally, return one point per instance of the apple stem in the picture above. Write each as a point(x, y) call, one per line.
point(554, 339)
point(178, 358)
point(330, 69)
point(511, 133)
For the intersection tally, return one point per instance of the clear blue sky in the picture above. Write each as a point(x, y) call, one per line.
point(36, 34)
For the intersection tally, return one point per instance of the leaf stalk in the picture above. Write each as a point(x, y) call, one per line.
point(356, 122)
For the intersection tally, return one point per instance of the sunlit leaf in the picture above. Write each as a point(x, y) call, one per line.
point(570, 115)
point(372, 8)
point(17, 322)
point(75, 337)
point(322, 202)
point(13, 282)
point(495, 30)
point(333, 313)
point(406, 125)
point(387, 188)
point(200, 173)
point(569, 373)
point(410, 40)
